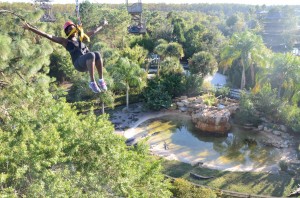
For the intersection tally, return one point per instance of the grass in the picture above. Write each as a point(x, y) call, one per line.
point(244, 182)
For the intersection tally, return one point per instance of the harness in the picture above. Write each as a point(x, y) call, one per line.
point(81, 34)
point(79, 28)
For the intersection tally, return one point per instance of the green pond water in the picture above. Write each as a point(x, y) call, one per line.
point(174, 137)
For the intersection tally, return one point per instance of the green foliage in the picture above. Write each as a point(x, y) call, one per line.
point(61, 66)
point(203, 63)
point(54, 151)
point(247, 113)
point(223, 92)
point(185, 189)
point(137, 54)
point(172, 49)
point(155, 95)
point(5, 50)
point(146, 42)
point(266, 101)
point(171, 65)
point(49, 149)
point(193, 84)
point(209, 99)
point(173, 83)
point(80, 90)
point(283, 165)
point(179, 30)
point(290, 115)
point(127, 75)
point(246, 49)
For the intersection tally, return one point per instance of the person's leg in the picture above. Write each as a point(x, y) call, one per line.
point(99, 66)
point(86, 62)
point(90, 65)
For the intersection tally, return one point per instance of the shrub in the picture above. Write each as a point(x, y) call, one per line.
point(266, 101)
point(223, 92)
point(283, 165)
point(155, 95)
point(247, 112)
point(184, 189)
point(193, 84)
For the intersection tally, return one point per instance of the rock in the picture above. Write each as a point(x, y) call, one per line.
point(283, 128)
point(260, 127)
point(183, 109)
point(277, 133)
point(286, 136)
point(212, 120)
point(266, 129)
point(180, 104)
point(199, 100)
point(183, 97)
point(185, 102)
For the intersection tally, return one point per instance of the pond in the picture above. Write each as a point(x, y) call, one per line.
point(174, 137)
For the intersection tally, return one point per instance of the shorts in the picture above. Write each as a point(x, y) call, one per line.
point(80, 63)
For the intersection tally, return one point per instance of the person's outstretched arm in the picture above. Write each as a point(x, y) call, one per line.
point(97, 29)
point(56, 39)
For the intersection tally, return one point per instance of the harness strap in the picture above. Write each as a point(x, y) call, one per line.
point(81, 33)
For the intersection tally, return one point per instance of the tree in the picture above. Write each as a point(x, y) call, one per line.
point(285, 74)
point(127, 75)
point(248, 49)
point(48, 149)
point(203, 63)
point(171, 65)
point(156, 97)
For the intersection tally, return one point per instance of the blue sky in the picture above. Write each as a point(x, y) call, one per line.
point(252, 2)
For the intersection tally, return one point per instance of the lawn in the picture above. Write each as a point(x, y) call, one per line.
point(276, 185)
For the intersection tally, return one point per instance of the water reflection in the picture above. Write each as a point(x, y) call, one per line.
point(238, 150)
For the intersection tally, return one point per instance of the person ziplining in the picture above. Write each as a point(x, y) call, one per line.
point(82, 58)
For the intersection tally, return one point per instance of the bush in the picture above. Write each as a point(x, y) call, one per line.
point(209, 99)
point(173, 84)
point(223, 92)
point(155, 95)
point(184, 189)
point(290, 116)
point(247, 113)
point(193, 84)
point(266, 101)
point(283, 165)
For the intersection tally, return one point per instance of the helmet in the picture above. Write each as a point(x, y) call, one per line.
point(67, 24)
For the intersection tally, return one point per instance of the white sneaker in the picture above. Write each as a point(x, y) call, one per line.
point(94, 87)
point(102, 84)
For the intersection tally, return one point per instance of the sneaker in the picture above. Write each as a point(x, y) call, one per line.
point(102, 85)
point(94, 87)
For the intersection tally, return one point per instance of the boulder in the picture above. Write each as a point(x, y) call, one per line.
point(212, 120)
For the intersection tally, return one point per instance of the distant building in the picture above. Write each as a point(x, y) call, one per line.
point(280, 30)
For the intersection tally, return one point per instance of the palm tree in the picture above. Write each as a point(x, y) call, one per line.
point(127, 75)
point(246, 48)
point(285, 73)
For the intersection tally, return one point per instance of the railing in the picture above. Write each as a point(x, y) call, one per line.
point(233, 93)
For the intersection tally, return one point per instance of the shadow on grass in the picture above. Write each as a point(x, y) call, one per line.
point(244, 182)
